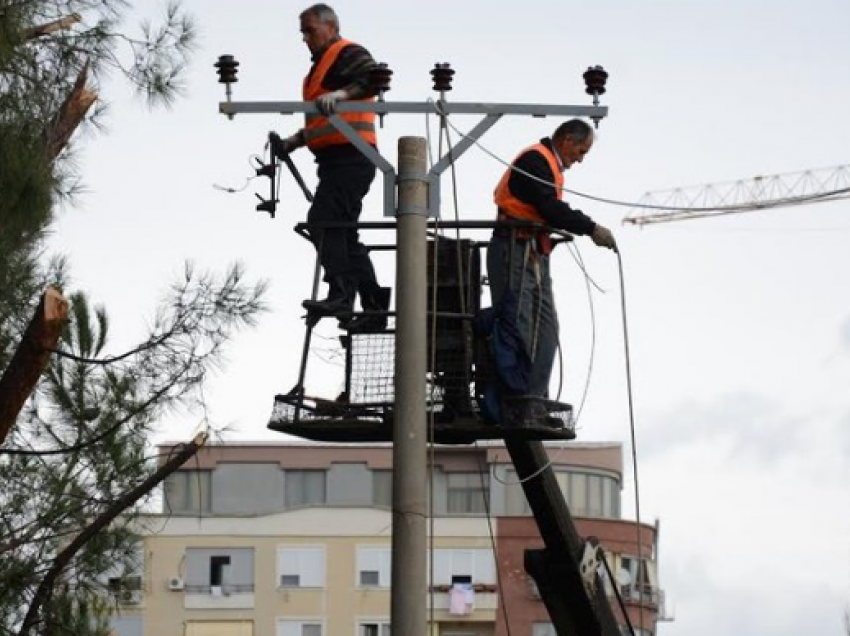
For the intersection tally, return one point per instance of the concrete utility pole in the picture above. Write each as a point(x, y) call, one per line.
point(418, 191)
point(409, 531)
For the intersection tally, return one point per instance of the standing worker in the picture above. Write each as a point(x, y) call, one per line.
point(518, 259)
point(340, 72)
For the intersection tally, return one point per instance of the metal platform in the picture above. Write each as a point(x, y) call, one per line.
point(337, 421)
point(460, 369)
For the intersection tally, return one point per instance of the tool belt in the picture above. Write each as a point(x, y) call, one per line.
point(542, 241)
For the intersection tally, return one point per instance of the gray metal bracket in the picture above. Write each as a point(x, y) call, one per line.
point(492, 113)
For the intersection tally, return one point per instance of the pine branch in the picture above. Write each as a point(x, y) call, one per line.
point(64, 558)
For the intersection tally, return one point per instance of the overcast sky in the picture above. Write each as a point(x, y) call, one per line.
point(739, 327)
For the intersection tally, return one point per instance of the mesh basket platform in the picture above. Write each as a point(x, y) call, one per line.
point(364, 411)
point(459, 369)
point(329, 421)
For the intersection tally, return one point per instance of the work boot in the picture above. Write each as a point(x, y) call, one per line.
point(376, 299)
point(340, 298)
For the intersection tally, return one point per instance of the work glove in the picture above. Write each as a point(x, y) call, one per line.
point(327, 103)
point(603, 237)
point(282, 147)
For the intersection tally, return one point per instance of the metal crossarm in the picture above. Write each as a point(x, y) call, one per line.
point(492, 112)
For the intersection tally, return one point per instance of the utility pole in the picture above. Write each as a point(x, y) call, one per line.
point(409, 531)
point(418, 198)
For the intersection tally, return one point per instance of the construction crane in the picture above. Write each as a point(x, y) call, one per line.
point(730, 197)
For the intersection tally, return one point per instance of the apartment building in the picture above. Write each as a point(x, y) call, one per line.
point(294, 540)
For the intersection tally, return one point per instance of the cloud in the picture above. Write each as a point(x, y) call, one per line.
point(707, 602)
point(749, 549)
point(844, 334)
point(741, 424)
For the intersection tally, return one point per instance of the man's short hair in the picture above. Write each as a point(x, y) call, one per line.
point(322, 12)
point(577, 129)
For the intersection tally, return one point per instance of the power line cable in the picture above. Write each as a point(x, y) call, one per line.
point(737, 208)
point(629, 394)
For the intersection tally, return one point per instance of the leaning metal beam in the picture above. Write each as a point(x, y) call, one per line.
point(375, 157)
point(449, 158)
point(492, 113)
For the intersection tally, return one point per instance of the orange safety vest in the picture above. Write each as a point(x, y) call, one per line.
point(512, 208)
point(318, 131)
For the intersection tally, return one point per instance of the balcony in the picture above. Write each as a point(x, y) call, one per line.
point(227, 596)
point(632, 594)
point(484, 598)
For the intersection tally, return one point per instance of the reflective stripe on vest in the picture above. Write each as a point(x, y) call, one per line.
point(512, 208)
point(318, 131)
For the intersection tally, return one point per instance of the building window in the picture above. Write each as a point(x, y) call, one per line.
point(219, 570)
point(218, 627)
point(374, 628)
point(373, 566)
point(590, 494)
point(611, 498)
point(299, 628)
point(301, 567)
point(637, 580)
point(578, 496)
point(587, 494)
point(188, 491)
point(467, 492)
point(305, 487)
point(382, 488)
point(464, 566)
point(543, 629)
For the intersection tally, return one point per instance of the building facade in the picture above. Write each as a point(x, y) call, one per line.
point(294, 540)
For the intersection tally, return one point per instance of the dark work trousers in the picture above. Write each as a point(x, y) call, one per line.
point(518, 266)
point(343, 182)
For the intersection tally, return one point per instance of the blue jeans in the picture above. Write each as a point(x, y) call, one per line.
point(517, 265)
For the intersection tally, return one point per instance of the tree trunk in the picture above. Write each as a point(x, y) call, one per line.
point(51, 27)
point(70, 115)
point(31, 357)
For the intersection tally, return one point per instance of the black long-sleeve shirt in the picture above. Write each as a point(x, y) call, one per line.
point(544, 196)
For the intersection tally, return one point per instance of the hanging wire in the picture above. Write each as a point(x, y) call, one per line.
point(632, 432)
point(233, 190)
point(592, 355)
point(433, 389)
point(837, 193)
point(503, 601)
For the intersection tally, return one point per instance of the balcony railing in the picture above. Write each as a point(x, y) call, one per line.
point(632, 593)
point(224, 590)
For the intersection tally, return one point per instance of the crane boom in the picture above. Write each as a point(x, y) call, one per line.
point(758, 193)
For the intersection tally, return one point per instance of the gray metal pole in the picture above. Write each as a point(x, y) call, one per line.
point(408, 594)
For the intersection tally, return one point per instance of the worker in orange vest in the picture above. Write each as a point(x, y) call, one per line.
point(340, 72)
point(518, 258)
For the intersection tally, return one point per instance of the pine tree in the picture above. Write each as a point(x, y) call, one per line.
point(81, 444)
point(78, 451)
point(53, 54)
